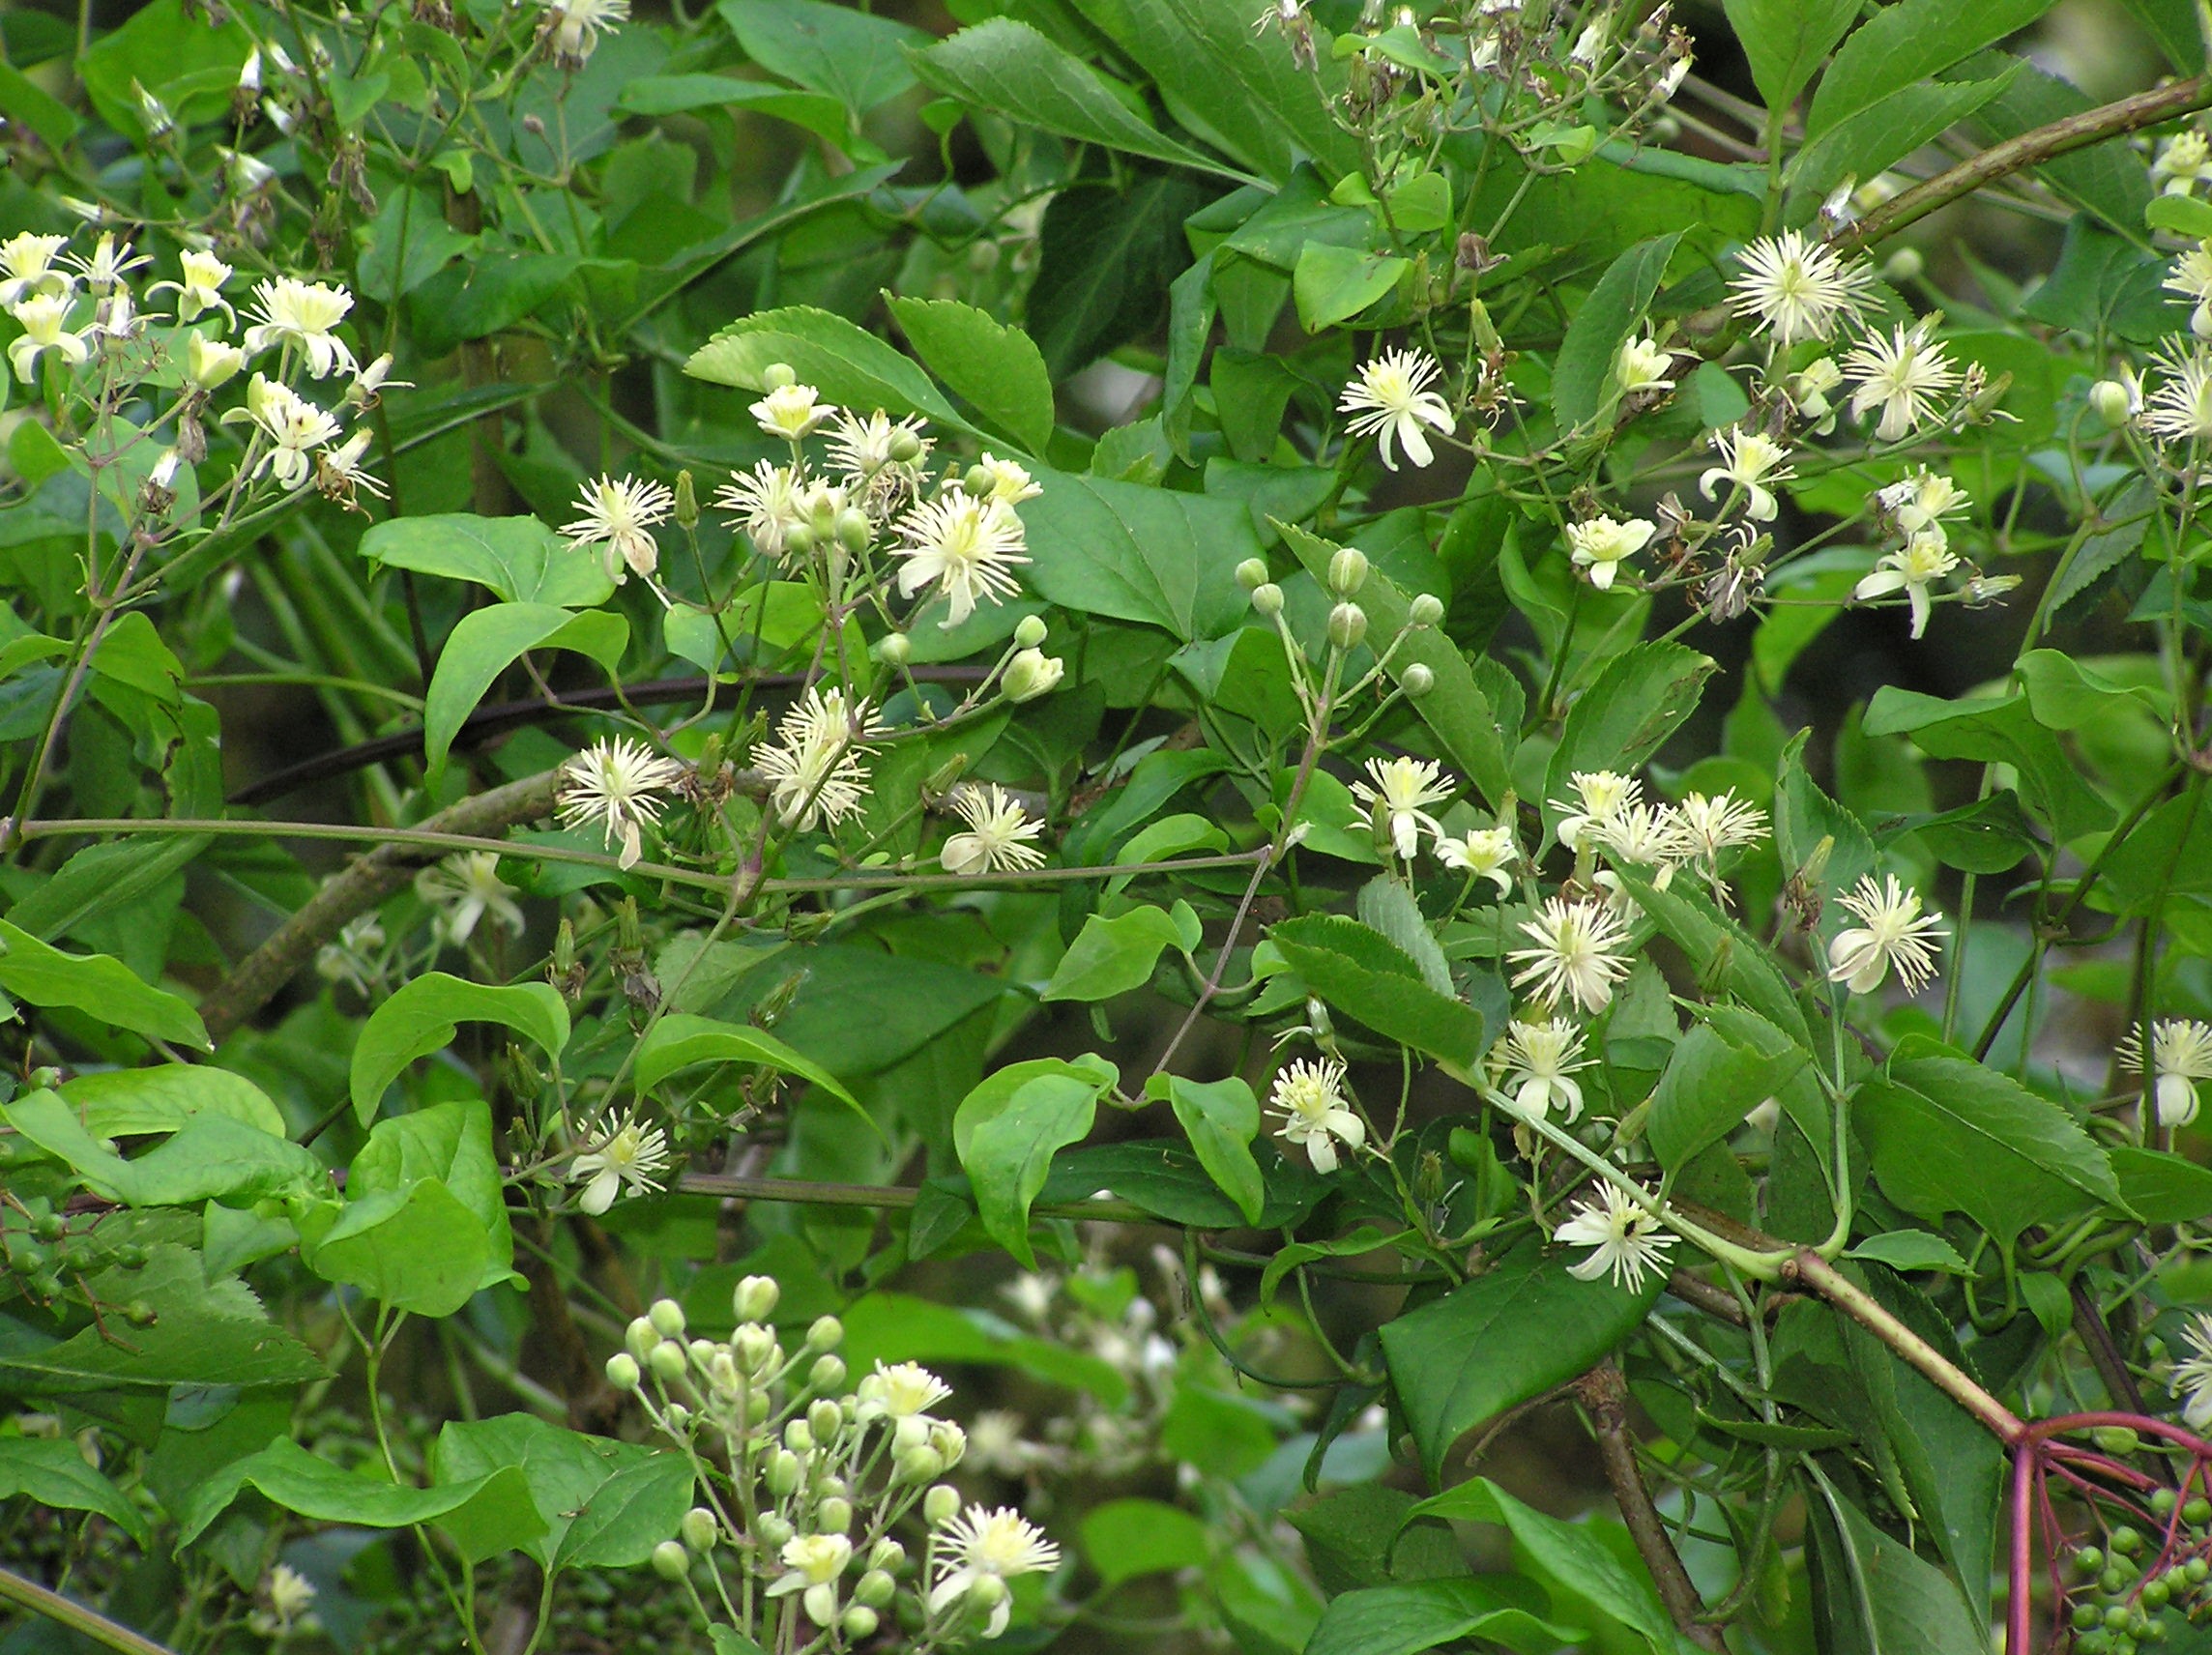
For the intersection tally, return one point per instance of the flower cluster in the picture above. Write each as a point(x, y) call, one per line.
point(84, 329)
point(806, 1486)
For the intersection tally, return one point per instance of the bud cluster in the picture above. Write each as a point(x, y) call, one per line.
point(806, 1484)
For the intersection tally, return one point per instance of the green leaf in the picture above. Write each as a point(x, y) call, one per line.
point(1408, 1616)
point(1786, 41)
point(1113, 956)
point(2002, 730)
point(1721, 952)
point(819, 113)
point(518, 558)
point(1005, 66)
point(573, 1481)
point(1365, 975)
point(1492, 1343)
point(2169, 853)
point(996, 368)
point(1951, 1464)
point(1241, 91)
point(1333, 284)
point(1127, 1538)
point(848, 365)
point(1864, 142)
point(103, 877)
point(1006, 1130)
point(40, 975)
point(680, 1040)
point(853, 56)
point(451, 1143)
point(1456, 707)
point(1221, 1119)
point(1905, 45)
point(2063, 694)
point(1152, 554)
point(54, 1473)
point(493, 1512)
point(421, 1018)
point(204, 1332)
point(894, 1327)
point(486, 642)
point(634, 1511)
point(122, 1103)
point(1710, 1085)
point(209, 1157)
point(1639, 700)
point(1917, 1250)
point(421, 1250)
point(1858, 1572)
point(2161, 1188)
point(1106, 255)
point(1605, 319)
point(1388, 907)
point(1951, 1135)
point(1566, 1552)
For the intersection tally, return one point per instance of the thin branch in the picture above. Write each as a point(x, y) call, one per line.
point(88, 1624)
point(1605, 1393)
point(807, 1192)
point(2029, 149)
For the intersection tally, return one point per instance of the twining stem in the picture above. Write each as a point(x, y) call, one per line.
point(2029, 149)
point(85, 1622)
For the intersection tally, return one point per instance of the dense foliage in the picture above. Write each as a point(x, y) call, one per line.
point(1333, 830)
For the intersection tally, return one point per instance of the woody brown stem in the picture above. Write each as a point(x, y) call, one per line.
point(2029, 149)
point(361, 888)
point(1604, 1393)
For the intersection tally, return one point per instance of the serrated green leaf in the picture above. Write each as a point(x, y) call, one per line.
point(998, 368)
point(1507, 1335)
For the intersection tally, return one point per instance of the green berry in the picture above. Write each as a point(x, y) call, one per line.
point(2197, 1510)
point(2089, 1560)
point(2162, 1501)
point(2116, 1616)
point(2114, 1581)
point(2155, 1594)
point(2155, 1631)
point(2086, 1615)
point(2196, 1570)
point(2126, 1542)
point(49, 1227)
point(2096, 1642)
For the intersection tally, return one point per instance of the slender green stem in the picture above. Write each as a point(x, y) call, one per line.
point(85, 1622)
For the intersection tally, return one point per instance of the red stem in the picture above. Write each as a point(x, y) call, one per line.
point(2019, 1619)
